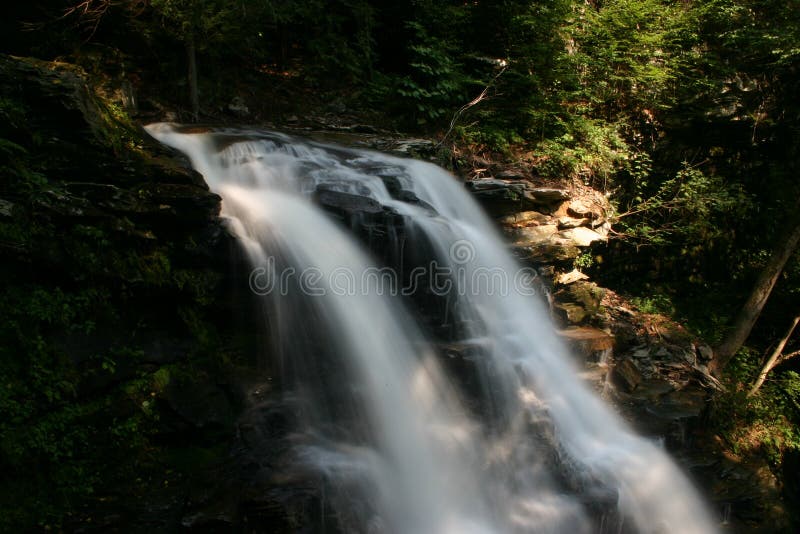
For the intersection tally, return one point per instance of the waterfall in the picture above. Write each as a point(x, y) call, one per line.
point(521, 446)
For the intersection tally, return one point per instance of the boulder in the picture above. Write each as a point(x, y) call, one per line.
point(626, 375)
point(504, 197)
point(547, 252)
point(584, 208)
point(571, 222)
point(546, 195)
point(573, 312)
point(415, 147)
point(592, 343)
point(573, 276)
point(581, 237)
point(580, 301)
point(526, 218)
point(533, 235)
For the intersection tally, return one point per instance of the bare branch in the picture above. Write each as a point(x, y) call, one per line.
point(469, 104)
point(91, 12)
point(775, 358)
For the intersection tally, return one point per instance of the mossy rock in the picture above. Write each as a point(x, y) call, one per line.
point(115, 272)
point(581, 302)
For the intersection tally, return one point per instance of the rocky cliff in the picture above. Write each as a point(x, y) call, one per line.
point(127, 340)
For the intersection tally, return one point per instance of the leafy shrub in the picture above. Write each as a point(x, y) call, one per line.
point(433, 86)
point(589, 149)
point(766, 423)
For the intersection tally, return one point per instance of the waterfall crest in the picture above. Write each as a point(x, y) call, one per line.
point(524, 447)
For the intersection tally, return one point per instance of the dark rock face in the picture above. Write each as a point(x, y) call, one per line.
point(135, 295)
point(503, 197)
point(123, 318)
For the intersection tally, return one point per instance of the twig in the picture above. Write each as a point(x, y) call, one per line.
point(91, 12)
point(775, 358)
point(469, 104)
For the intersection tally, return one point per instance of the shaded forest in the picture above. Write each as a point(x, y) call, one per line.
point(684, 114)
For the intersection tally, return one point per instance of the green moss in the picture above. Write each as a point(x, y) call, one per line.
point(116, 128)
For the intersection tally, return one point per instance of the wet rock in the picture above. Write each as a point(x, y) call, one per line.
point(592, 343)
point(653, 389)
point(347, 202)
point(626, 375)
point(222, 517)
point(499, 194)
point(414, 147)
point(680, 403)
point(120, 218)
point(67, 206)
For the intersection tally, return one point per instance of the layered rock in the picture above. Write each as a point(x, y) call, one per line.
point(650, 367)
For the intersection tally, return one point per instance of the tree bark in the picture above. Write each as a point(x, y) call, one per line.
point(749, 313)
point(773, 359)
point(194, 96)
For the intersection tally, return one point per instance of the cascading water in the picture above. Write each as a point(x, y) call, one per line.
point(384, 424)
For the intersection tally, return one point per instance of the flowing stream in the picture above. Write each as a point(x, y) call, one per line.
point(513, 443)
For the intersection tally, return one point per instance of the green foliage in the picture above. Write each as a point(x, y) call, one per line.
point(116, 129)
point(433, 87)
point(584, 261)
point(203, 21)
point(690, 207)
point(628, 52)
point(766, 423)
point(497, 138)
point(657, 303)
point(589, 149)
point(49, 430)
point(79, 410)
point(344, 44)
point(15, 161)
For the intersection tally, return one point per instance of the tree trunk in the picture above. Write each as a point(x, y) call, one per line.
point(773, 359)
point(749, 313)
point(194, 96)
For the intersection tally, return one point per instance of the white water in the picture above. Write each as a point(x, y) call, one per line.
point(404, 454)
